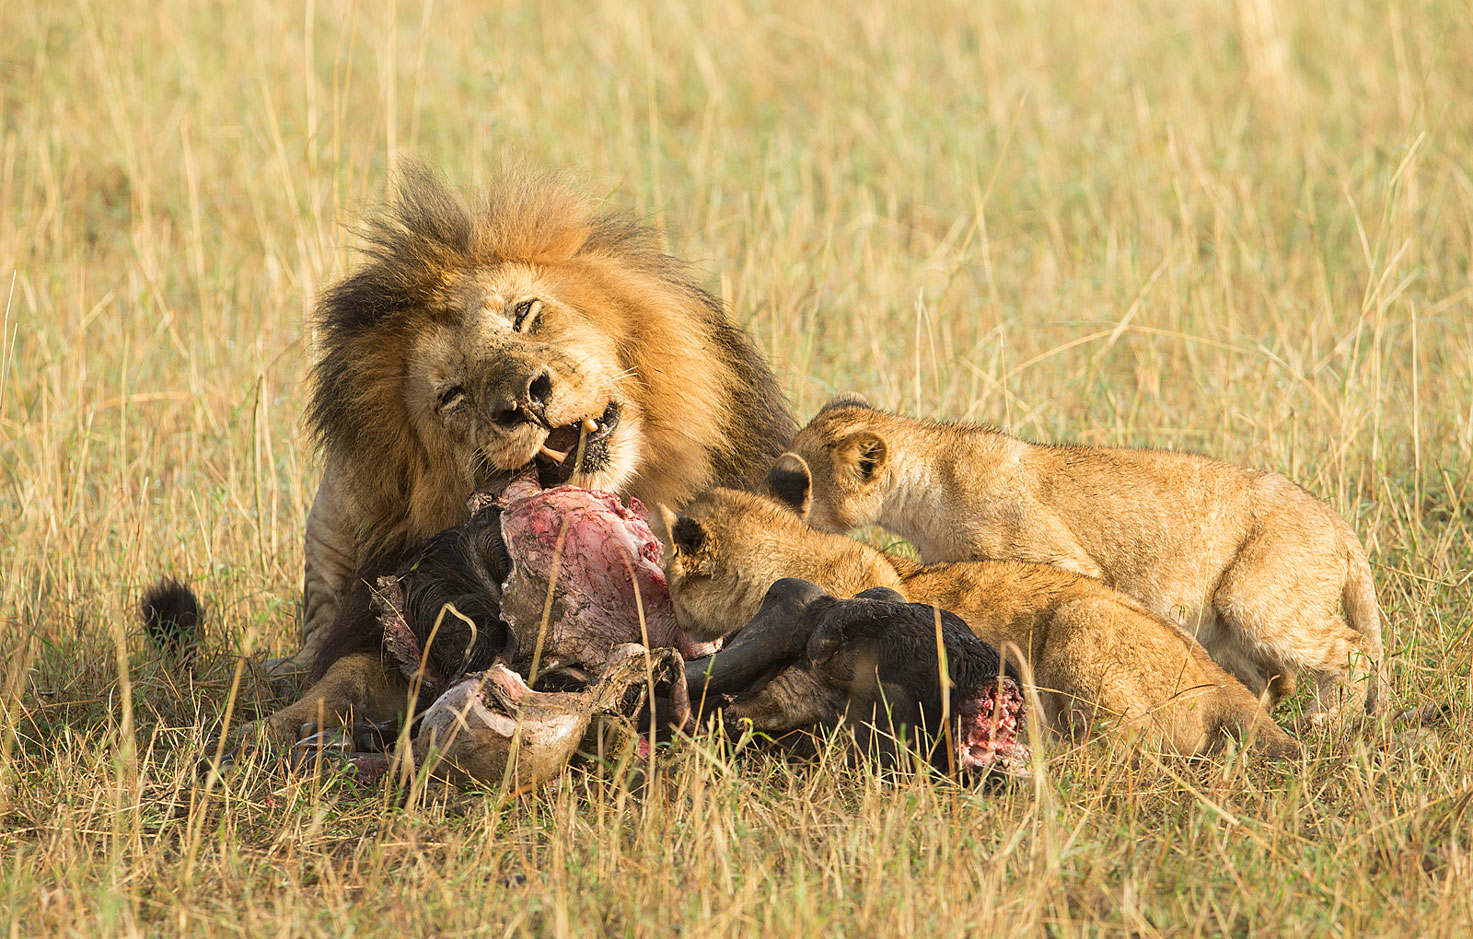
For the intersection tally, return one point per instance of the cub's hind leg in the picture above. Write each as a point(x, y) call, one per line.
point(1280, 600)
point(1346, 674)
point(1145, 673)
point(1234, 651)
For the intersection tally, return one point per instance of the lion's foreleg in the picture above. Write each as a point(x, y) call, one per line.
point(328, 570)
point(356, 688)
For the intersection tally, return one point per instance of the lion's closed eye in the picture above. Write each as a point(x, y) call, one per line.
point(451, 397)
point(525, 316)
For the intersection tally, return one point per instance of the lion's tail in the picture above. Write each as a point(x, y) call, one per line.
point(172, 617)
point(1362, 612)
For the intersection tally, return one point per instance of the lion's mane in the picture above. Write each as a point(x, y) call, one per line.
point(712, 411)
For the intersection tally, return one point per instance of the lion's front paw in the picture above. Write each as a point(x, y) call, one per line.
point(278, 731)
point(282, 740)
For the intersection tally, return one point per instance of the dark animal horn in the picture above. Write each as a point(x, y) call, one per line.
point(880, 593)
point(777, 634)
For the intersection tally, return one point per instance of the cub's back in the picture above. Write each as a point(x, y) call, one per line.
point(999, 599)
point(1152, 515)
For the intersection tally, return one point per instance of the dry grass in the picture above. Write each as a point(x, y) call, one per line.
point(1244, 229)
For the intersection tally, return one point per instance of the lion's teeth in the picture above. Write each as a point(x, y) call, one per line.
point(551, 454)
point(590, 425)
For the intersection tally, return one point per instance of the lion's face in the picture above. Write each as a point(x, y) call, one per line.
point(516, 372)
point(722, 553)
point(844, 455)
point(486, 333)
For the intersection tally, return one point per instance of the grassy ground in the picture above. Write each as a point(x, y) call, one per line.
point(1243, 229)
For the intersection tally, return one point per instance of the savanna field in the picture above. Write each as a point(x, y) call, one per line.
point(1244, 230)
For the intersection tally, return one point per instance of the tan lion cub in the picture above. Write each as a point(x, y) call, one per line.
point(1095, 654)
point(1250, 563)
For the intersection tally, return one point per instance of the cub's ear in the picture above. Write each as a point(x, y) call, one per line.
point(863, 454)
point(790, 482)
point(683, 534)
point(662, 522)
point(849, 399)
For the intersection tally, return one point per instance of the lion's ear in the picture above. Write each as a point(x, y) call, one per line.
point(863, 454)
point(688, 536)
point(662, 522)
point(682, 533)
point(849, 399)
point(790, 482)
point(560, 245)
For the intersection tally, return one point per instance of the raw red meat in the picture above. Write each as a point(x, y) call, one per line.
point(589, 569)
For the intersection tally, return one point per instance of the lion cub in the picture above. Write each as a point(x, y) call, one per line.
point(1250, 563)
point(1094, 654)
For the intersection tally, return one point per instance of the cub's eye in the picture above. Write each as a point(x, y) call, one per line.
point(524, 315)
point(451, 397)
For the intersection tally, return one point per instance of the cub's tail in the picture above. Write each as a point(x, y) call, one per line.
point(1358, 596)
point(172, 617)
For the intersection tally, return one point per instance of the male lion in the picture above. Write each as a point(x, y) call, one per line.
point(483, 334)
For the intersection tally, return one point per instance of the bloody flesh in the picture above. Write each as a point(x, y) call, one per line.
point(586, 577)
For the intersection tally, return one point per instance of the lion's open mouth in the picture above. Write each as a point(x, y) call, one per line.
point(558, 458)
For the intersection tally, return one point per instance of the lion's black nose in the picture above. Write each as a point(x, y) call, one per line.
point(539, 389)
point(529, 406)
point(508, 413)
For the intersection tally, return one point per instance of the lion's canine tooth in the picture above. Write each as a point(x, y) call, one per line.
point(551, 454)
point(590, 425)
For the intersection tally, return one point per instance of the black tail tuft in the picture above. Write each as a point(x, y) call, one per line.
point(172, 617)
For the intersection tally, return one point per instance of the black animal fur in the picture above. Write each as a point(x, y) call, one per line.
point(808, 659)
point(461, 567)
point(898, 640)
point(460, 570)
point(172, 617)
